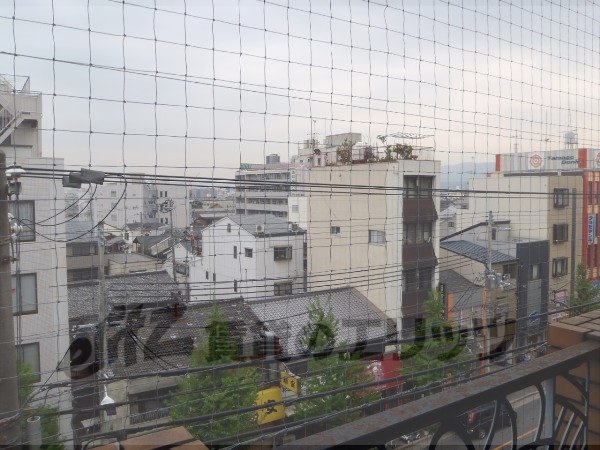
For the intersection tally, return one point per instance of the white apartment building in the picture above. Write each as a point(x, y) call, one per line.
point(266, 189)
point(39, 277)
point(141, 203)
point(249, 256)
point(382, 239)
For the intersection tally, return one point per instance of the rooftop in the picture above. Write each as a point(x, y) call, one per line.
point(150, 241)
point(271, 225)
point(147, 287)
point(81, 231)
point(138, 352)
point(475, 251)
point(359, 320)
point(130, 258)
point(466, 294)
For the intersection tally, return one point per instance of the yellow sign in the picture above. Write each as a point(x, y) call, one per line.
point(290, 382)
point(270, 413)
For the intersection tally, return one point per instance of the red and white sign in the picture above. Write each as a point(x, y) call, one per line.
point(536, 161)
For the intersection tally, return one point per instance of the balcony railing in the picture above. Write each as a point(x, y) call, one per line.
point(149, 415)
point(560, 420)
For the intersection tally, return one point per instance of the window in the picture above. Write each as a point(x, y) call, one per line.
point(229, 228)
point(248, 252)
point(25, 213)
point(295, 208)
point(561, 197)
point(81, 250)
point(30, 354)
point(235, 252)
point(207, 274)
point(494, 234)
point(560, 267)
point(376, 237)
point(417, 233)
point(534, 272)
point(510, 270)
point(28, 294)
point(179, 268)
point(214, 276)
point(82, 274)
point(560, 232)
point(450, 224)
point(284, 288)
point(425, 276)
point(282, 253)
point(166, 220)
point(336, 230)
point(113, 193)
point(410, 280)
point(418, 186)
point(235, 286)
point(417, 279)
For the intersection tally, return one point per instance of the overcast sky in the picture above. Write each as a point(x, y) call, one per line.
point(470, 76)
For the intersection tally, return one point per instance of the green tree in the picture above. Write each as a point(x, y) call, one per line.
point(370, 155)
point(211, 392)
point(437, 345)
point(327, 371)
point(48, 414)
point(585, 294)
point(344, 152)
point(404, 151)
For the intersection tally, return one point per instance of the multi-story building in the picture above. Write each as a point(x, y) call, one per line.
point(39, 276)
point(316, 154)
point(140, 202)
point(249, 256)
point(83, 258)
point(553, 196)
point(381, 237)
point(266, 188)
point(521, 274)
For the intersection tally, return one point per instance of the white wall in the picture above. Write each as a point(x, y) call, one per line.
point(256, 275)
point(348, 258)
point(49, 327)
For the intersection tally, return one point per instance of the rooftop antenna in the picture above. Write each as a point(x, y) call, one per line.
point(516, 143)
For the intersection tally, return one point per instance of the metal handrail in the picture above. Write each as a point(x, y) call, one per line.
point(377, 429)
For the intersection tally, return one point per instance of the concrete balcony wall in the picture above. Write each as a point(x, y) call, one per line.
point(567, 333)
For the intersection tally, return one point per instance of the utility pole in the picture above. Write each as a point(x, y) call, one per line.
point(9, 392)
point(168, 205)
point(102, 306)
point(487, 291)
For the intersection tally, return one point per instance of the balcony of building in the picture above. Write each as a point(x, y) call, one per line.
point(553, 400)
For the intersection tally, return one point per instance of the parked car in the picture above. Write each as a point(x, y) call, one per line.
point(411, 437)
point(478, 421)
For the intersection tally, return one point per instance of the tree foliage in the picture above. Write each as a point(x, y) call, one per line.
point(210, 392)
point(344, 152)
point(437, 345)
point(48, 414)
point(585, 294)
point(328, 371)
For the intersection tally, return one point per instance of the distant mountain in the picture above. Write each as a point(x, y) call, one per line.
point(454, 175)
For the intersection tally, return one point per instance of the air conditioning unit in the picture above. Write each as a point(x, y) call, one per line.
point(260, 228)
